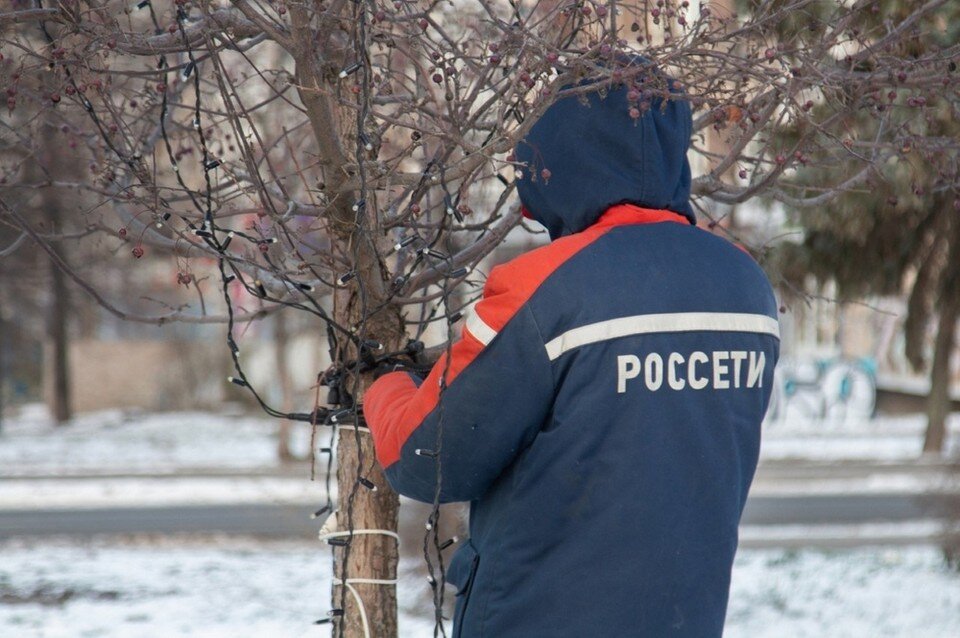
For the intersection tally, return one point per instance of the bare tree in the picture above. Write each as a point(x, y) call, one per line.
point(370, 142)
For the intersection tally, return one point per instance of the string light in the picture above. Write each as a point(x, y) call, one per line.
point(347, 413)
point(208, 234)
point(367, 144)
point(406, 241)
point(447, 543)
point(336, 416)
point(350, 70)
point(371, 344)
point(436, 254)
point(451, 209)
point(432, 228)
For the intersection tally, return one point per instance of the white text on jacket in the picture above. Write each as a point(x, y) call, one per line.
point(717, 370)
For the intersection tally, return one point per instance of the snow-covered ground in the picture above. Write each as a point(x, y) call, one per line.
point(232, 587)
point(126, 442)
point(884, 438)
point(863, 593)
point(130, 443)
point(240, 588)
point(121, 459)
point(142, 491)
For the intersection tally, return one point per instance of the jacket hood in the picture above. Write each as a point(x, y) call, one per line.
point(586, 154)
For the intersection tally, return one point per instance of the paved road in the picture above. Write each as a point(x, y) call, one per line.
point(847, 509)
point(293, 521)
point(805, 469)
point(784, 496)
point(254, 520)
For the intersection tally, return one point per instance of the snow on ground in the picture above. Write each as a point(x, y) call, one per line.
point(241, 588)
point(884, 438)
point(132, 443)
point(100, 492)
point(847, 534)
point(233, 587)
point(166, 491)
point(864, 593)
point(227, 589)
point(885, 483)
point(126, 442)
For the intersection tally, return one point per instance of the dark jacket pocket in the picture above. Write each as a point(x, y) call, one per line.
point(461, 574)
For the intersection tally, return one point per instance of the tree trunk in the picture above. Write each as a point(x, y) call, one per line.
point(280, 340)
point(938, 403)
point(368, 556)
point(3, 367)
point(47, 211)
point(60, 408)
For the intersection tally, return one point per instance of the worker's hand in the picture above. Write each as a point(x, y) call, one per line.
point(410, 359)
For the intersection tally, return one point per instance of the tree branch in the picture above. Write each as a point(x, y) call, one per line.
point(159, 320)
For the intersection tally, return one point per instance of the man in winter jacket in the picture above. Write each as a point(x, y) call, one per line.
point(602, 410)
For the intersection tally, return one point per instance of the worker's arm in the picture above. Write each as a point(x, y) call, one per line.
point(499, 389)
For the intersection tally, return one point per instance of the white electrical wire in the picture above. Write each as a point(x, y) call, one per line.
point(329, 531)
point(356, 596)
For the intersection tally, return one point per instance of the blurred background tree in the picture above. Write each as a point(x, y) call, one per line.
point(898, 232)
